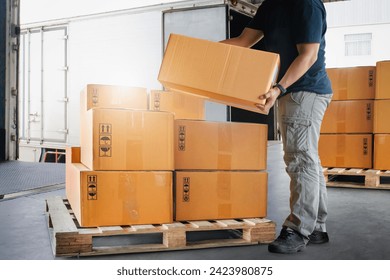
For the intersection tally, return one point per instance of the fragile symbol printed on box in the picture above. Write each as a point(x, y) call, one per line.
point(156, 101)
point(186, 189)
point(368, 112)
point(92, 187)
point(95, 97)
point(182, 138)
point(370, 78)
point(365, 146)
point(105, 140)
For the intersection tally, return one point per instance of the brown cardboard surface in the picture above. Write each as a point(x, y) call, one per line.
point(210, 145)
point(111, 96)
point(209, 195)
point(351, 83)
point(382, 116)
point(184, 106)
point(346, 150)
point(121, 139)
point(382, 80)
point(228, 74)
point(382, 151)
point(351, 116)
point(114, 198)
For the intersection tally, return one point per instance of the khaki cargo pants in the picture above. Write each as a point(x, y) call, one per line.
point(300, 115)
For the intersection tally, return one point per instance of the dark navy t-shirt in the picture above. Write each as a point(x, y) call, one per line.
point(286, 23)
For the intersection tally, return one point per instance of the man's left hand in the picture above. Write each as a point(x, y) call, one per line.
point(270, 99)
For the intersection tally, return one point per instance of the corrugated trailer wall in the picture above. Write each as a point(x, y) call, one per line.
point(3, 34)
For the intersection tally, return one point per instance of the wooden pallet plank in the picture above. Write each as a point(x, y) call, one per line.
point(230, 223)
point(202, 224)
point(60, 219)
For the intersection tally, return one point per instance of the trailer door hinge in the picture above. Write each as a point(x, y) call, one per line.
point(14, 92)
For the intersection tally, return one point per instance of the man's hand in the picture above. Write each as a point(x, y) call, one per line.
point(270, 99)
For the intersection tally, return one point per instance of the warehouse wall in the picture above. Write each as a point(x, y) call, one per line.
point(358, 32)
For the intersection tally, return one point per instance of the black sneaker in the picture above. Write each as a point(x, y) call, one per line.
point(318, 237)
point(288, 242)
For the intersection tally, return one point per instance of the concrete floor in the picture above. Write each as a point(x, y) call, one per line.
point(358, 226)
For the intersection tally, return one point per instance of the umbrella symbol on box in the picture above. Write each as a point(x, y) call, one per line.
point(105, 140)
point(105, 151)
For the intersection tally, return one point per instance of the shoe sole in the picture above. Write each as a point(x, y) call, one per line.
point(318, 241)
point(276, 249)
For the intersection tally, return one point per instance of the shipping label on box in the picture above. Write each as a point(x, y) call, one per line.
point(346, 150)
point(207, 145)
point(208, 195)
point(115, 198)
point(351, 83)
point(184, 106)
point(351, 116)
point(120, 139)
point(228, 74)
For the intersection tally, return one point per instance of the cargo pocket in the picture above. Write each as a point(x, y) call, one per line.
point(296, 134)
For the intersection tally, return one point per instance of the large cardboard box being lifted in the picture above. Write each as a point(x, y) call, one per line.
point(211, 145)
point(350, 116)
point(382, 80)
point(209, 195)
point(110, 96)
point(121, 139)
point(228, 74)
point(352, 82)
point(346, 150)
point(184, 106)
point(114, 198)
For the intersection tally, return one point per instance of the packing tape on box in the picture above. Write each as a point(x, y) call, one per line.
point(224, 192)
point(128, 190)
point(340, 151)
point(341, 120)
point(225, 146)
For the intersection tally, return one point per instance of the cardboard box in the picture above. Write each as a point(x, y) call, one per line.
point(184, 106)
point(352, 116)
point(346, 150)
point(352, 82)
point(210, 145)
point(382, 80)
point(382, 116)
point(213, 195)
point(114, 198)
point(227, 74)
point(382, 151)
point(120, 139)
point(110, 96)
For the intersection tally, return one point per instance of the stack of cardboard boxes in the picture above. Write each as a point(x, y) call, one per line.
point(382, 117)
point(131, 143)
point(346, 131)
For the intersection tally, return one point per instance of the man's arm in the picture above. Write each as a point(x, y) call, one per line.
point(306, 58)
point(247, 38)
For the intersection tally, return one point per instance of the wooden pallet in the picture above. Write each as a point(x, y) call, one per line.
point(371, 179)
point(68, 239)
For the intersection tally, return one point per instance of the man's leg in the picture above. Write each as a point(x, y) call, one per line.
point(300, 116)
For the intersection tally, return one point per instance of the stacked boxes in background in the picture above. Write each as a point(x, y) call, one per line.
point(346, 131)
point(124, 172)
point(220, 170)
point(382, 117)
